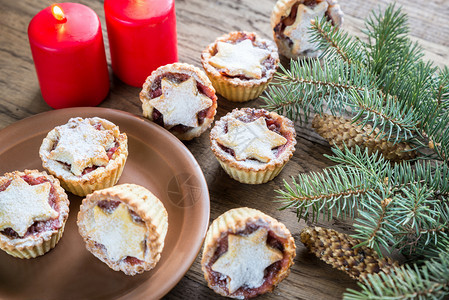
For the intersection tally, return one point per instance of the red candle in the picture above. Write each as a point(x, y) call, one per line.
point(142, 37)
point(69, 55)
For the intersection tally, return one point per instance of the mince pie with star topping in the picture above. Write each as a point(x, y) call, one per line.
point(124, 226)
point(33, 211)
point(291, 22)
point(240, 65)
point(246, 253)
point(85, 154)
point(180, 98)
point(253, 145)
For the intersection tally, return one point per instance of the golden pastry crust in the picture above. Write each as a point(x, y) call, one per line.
point(146, 206)
point(37, 244)
point(253, 171)
point(239, 220)
point(153, 82)
point(240, 89)
point(283, 10)
point(99, 178)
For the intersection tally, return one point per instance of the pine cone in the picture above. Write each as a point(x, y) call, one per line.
point(337, 249)
point(339, 131)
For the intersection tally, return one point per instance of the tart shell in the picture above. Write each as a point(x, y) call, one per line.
point(234, 221)
point(142, 202)
point(236, 89)
point(180, 68)
point(100, 178)
point(256, 173)
point(36, 245)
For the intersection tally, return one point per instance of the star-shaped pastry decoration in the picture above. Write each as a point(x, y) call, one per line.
point(251, 140)
point(22, 204)
point(81, 145)
point(180, 102)
point(246, 259)
point(118, 232)
point(239, 59)
point(299, 30)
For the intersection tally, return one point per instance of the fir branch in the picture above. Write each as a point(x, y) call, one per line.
point(438, 133)
point(433, 174)
point(397, 123)
point(334, 191)
point(373, 227)
point(335, 43)
point(374, 165)
point(312, 85)
point(390, 52)
point(442, 88)
point(431, 281)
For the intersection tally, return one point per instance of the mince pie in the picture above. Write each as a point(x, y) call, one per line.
point(253, 145)
point(291, 21)
point(246, 253)
point(125, 227)
point(180, 98)
point(240, 65)
point(33, 211)
point(85, 154)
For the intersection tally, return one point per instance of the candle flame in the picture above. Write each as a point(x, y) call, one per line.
point(57, 12)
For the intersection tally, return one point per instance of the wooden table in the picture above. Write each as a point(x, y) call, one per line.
point(199, 22)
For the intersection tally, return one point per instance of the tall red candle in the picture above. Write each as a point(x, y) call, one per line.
point(68, 52)
point(142, 37)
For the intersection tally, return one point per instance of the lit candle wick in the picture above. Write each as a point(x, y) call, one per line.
point(57, 12)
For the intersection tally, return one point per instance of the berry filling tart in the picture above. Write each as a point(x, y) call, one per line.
point(85, 154)
point(180, 98)
point(125, 227)
point(253, 145)
point(246, 253)
point(240, 65)
point(33, 211)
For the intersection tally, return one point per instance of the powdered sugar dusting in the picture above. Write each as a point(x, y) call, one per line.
point(240, 59)
point(246, 259)
point(117, 231)
point(81, 145)
point(299, 31)
point(180, 102)
point(21, 204)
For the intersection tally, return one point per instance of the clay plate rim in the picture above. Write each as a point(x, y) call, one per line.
point(195, 216)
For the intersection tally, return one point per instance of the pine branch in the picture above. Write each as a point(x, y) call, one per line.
point(385, 86)
point(335, 191)
point(407, 282)
point(397, 122)
point(442, 88)
point(336, 44)
point(311, 85)
point(390, 52)
point(373, 226)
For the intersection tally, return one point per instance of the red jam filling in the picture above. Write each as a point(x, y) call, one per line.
point(38, 226)
point(268, 64)
point(156, 91)
point(109, 206)
point(272, 124)
point(270, 272)
point(291, 18)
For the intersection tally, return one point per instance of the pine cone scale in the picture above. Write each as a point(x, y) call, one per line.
point(339, 131)
point(337, 249)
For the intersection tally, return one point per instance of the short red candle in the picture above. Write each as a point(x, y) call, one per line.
point(69, 56)
point(142, 37)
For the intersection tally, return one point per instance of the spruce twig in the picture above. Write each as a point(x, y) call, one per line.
point(390, 96)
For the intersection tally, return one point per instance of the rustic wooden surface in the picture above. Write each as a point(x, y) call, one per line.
point(199, 22)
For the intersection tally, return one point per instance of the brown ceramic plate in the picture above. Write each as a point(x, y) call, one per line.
point(157, 161)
